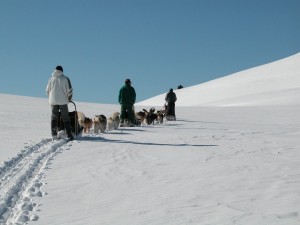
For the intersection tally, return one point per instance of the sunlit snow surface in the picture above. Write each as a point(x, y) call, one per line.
point(213, 166)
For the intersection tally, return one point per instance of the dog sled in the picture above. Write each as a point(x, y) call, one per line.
point(75, 127)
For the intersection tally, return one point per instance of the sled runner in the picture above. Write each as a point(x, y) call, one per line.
point(75, 127)
point(171, 118)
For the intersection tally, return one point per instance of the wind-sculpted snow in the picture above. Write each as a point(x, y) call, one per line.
point(20, 181)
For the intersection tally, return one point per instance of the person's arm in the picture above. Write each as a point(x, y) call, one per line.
point(120, 95)
point(167, 97)
point(48, 88)
point(69, 90)
point(134, 96)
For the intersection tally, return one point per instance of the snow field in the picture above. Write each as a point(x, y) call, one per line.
point(208, 171)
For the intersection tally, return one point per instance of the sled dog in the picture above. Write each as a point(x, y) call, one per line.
point(100, 122)
point(141, 116)
point(151, 116)
point(85, 122)
point(87, 125)
point(160, 116)
point(113, 121)
point(81, 118)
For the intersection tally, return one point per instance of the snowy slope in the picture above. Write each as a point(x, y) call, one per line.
point(213, 166)
point(276, 83)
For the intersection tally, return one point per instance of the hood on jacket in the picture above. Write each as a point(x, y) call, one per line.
point(57, 73)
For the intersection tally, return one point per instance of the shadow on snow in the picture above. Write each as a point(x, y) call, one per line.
point(101, 139)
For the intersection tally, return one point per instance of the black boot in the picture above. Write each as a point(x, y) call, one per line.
point(69, 131)
point(54, 127)
point(70, 137)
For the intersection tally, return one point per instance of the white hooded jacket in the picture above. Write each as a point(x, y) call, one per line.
point(59, 89)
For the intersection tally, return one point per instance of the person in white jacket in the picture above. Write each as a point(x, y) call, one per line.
point(60, 92)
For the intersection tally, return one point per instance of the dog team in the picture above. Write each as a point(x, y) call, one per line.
point(101, 124)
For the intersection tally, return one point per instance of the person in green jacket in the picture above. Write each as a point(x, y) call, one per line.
point(127, 97)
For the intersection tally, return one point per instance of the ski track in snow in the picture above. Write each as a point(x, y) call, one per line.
point(20, 180)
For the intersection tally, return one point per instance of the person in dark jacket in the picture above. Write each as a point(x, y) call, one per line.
point(127, 98)
point(171, 99)
point(60, 91)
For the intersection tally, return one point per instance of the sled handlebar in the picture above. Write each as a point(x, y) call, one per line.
point(73, 104)
point(76, 118)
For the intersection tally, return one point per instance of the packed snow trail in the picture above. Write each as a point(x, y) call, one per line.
point(20, 180)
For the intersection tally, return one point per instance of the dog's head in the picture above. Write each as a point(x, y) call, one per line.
point(152, 110)
point(140, 115)
point(102, 118)
point(160, 113)
point(96, 120)
point(99, 119)
point(88, 122)
point(115, 115)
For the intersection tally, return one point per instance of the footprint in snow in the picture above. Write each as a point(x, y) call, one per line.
point(23, 218)
point(34, 218)
point(28, 207)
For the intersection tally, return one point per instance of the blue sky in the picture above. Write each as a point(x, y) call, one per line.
point(158, 44)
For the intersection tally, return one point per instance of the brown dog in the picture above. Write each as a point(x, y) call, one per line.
point(141, 116)
point(84, 122)
point(87, 125)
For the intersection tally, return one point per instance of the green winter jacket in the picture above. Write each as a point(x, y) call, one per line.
point(127, 95)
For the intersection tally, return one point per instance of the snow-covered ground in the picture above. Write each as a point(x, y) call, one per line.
point(213, 166)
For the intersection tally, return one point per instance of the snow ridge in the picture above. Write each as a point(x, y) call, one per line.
point(275, 83)
point(20, 180)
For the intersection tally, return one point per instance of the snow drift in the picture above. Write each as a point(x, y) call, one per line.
point(276, 83)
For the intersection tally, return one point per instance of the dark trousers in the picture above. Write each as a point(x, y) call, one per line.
point(171, 109)
point(63, 111)
point(127, 113)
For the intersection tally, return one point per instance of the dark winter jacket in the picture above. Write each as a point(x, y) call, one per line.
point(127, 95)
point(171, 96)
